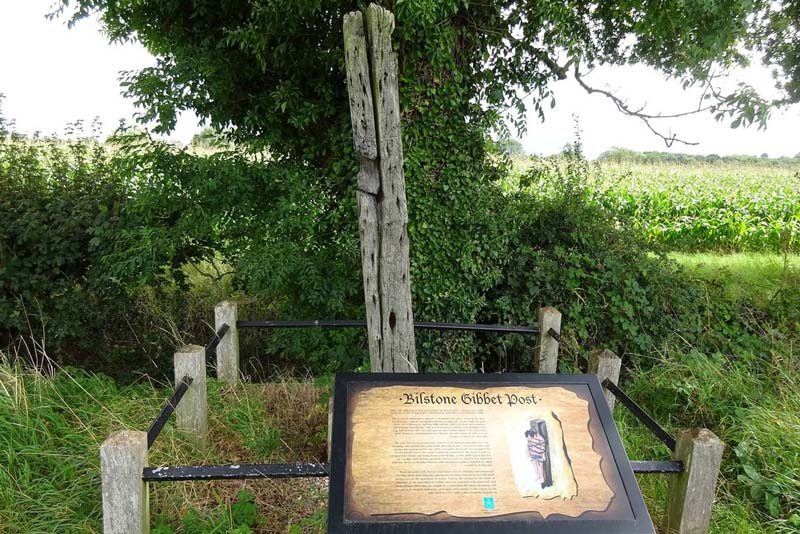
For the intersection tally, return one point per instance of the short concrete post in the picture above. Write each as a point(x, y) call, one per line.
point(691, 493)
point(126, 506)
point(546, 358)
point(606, 365)
point(191, 415)
point(228, 347)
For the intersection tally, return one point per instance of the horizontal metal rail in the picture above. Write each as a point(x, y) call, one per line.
point(218, 335)
point(302, 470)
point(358, 323)
point(235, 471)
point(656, 466)
point(166, 411)
point(665, 437)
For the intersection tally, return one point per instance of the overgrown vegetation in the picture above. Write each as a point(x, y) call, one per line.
point(52, 422)
point(700, 347)
point(113, 253)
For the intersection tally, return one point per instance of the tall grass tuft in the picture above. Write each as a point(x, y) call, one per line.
point(51, 428)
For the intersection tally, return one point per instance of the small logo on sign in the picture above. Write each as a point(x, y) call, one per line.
point(488, 503)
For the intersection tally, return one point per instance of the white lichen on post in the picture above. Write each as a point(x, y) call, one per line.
point(126, 507)
point(383, 213)
point(191, 414)
point(546, 357)
point(228, 347)
point(691, 493)
point(606, 365)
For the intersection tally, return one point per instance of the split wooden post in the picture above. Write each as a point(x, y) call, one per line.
point(381, 194)
point(606, 365)
point(691, 493)
point(191, 415)
point(546, 358)
point(126, 506)
point(228, 348)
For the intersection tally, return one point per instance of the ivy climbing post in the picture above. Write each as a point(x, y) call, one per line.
point(381, 193)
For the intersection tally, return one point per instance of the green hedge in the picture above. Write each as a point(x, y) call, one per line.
point(99, 242)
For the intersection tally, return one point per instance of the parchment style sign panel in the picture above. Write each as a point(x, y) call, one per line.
point(485, 453)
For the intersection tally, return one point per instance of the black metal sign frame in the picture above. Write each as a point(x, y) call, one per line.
point(639, 524)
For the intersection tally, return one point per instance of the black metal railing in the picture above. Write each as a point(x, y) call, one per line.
point(233, 471)
point(665, 437)
point(642, 466)
point(423, 325)
point(211, 346)
point(651, 467)
point(295, 470)
point(163, 416)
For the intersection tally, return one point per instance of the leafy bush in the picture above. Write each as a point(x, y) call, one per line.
point(91, 257)
point(567, 251)
point(478, 255)
point(58, 201)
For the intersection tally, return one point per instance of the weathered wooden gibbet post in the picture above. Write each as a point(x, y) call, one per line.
point(382, 209)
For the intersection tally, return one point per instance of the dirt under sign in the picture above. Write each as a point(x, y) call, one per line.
point(479, 453)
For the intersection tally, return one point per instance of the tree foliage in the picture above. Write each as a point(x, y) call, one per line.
point(271, 74)
point(274, 70)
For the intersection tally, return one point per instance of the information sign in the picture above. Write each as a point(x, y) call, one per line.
point(479, 453)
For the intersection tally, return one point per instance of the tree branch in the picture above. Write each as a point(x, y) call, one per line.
point(624, 108)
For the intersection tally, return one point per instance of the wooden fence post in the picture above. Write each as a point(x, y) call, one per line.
point(371, 67)
point(546, 358)
point(126, 506)
point(228, 348)
point(606, 365)
point(691, 493)
point(191, 415)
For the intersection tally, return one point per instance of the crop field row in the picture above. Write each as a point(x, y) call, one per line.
point(701, 207)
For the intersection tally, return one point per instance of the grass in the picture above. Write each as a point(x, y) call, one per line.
point(52, 422)
point(755, 276)
point(51, 428)
point(748, 393)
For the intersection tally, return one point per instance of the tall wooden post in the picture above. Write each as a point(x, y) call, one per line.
point(383, 215)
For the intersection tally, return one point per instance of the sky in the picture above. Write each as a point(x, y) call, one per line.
point(52, 76)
